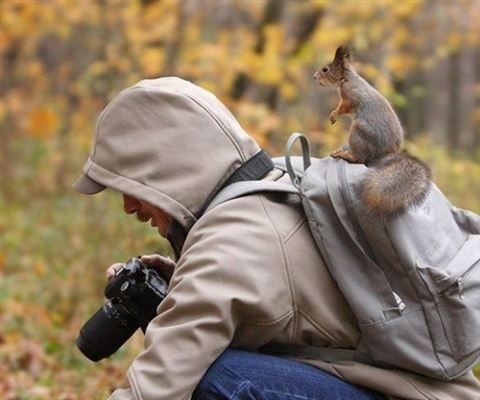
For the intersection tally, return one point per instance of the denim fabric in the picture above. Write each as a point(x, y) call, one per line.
point(240, 375)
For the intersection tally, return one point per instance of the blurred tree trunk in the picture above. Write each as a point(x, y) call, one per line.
point(173, 48)
point(461, 100)
point(242, 83)
point(436, 80)
point(274, 13)
point(453, 111)
point(8, 63)
point(417, 104)
point(440, 102)
point(54, 52)
point(477, 101)
point(466, 132)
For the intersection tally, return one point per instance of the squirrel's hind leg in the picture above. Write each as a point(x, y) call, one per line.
point(363, 142)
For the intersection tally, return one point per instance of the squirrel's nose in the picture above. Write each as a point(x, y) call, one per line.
point(315, 75)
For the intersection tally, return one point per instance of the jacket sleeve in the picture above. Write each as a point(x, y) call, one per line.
point(210, 293)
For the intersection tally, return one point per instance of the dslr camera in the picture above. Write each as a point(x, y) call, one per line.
point(133, 295)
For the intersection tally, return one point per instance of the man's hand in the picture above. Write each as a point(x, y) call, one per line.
point(112, 270)
point(163, 265)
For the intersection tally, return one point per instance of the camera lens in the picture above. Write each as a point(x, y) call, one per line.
point(106, 331)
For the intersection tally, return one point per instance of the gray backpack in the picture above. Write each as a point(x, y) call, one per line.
point(413, 282)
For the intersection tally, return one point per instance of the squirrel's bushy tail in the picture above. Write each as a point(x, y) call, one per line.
point(394, 183)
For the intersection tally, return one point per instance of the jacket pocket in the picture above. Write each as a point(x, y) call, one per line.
point(455, 294)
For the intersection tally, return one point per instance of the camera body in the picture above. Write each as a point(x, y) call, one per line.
point(133, 296)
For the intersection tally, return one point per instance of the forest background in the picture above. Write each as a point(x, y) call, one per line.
point(62, 61)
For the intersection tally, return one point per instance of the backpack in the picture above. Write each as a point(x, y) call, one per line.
point(413, 281)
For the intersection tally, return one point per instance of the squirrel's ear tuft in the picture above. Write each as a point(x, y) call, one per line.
point(343, 53)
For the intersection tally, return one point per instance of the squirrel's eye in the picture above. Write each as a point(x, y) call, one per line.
point(325, 69)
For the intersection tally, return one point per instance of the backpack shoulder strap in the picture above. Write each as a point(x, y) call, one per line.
point(248, 187)
point(243, 188)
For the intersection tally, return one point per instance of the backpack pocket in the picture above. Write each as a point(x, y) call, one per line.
point(403, 342)
point(455, 299)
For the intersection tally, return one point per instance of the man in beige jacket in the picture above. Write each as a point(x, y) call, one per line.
point(248, 272)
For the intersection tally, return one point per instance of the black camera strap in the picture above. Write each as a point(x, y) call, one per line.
point(254, 169)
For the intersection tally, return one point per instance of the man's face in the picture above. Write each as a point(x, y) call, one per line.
point(146, 212)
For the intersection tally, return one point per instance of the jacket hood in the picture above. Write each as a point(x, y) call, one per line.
point(168, 142)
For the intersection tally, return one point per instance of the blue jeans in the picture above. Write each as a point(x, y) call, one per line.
point(240, 375)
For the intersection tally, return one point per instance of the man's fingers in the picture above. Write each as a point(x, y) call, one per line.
point(146, 259)
point(112, 270)
point(156, 260)
point(163, 264)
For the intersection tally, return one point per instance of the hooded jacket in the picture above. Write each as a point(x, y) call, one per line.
point(248, 272)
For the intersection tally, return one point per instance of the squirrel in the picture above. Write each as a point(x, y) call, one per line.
point(396, 180)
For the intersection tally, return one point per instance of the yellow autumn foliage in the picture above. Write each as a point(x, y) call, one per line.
point(42, 123)
point(62, 61)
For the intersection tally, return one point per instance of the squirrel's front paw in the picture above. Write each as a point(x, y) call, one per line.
point(336, 153)
point(333, 119)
